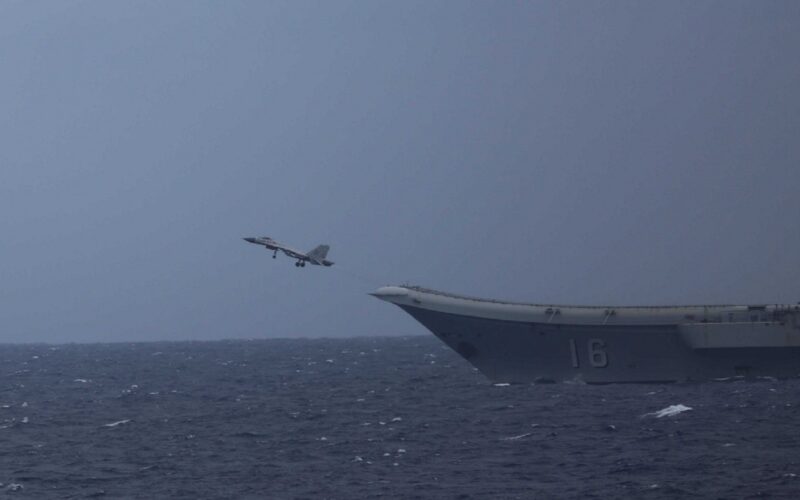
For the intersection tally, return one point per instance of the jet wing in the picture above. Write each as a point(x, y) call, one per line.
point(293, 253)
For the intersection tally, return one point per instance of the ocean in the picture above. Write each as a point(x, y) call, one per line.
point(397, 417)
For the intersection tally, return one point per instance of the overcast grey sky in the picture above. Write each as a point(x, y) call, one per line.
point(578, 152)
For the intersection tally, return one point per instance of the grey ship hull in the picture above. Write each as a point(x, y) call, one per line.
point(522, 343)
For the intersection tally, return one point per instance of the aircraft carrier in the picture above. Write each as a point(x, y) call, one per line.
point(523, 343)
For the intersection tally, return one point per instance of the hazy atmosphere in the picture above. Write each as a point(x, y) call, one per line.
point(577, 152)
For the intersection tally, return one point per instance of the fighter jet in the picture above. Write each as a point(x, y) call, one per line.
point(315, 257)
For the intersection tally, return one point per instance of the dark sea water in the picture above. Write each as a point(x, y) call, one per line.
point(371, 417)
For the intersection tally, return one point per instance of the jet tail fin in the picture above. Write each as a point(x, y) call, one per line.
point(317, 256)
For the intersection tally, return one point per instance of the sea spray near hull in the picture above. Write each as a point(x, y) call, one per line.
point(511, 342)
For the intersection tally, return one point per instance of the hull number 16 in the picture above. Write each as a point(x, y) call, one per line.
point(596, 350)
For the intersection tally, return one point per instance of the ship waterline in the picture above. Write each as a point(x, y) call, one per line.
point(515, 342)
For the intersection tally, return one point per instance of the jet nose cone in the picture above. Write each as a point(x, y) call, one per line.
point(249, 240)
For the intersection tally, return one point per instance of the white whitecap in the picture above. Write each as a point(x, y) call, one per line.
point(669, 411)
point(502, 384)
point(576, 380)
point(514, 438)
point(114, 424)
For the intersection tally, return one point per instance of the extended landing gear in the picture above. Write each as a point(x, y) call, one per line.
point(299, 263)
point(275, 254)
